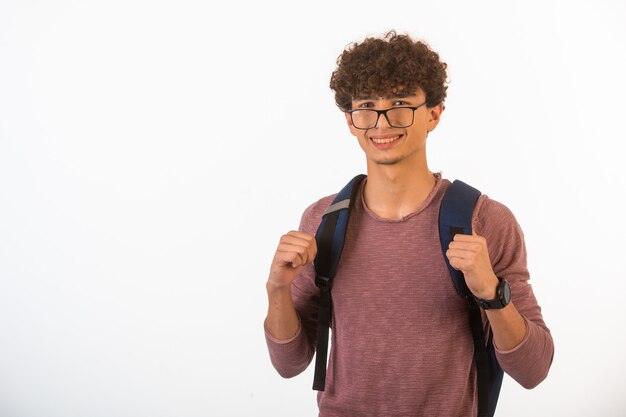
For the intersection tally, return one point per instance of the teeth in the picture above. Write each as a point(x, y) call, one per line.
point(386, 140)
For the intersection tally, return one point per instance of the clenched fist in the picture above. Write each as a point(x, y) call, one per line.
point(469, 254)
point(294, 252)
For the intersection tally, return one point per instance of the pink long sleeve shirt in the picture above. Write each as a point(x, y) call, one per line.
point(401, 344)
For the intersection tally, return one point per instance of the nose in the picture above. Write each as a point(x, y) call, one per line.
point(385, 121)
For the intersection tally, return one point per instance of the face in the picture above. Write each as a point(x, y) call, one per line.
point(387, 145)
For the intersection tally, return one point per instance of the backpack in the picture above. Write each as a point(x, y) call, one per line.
point(455, 216)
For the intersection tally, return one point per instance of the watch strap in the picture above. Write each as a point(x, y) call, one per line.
point(503, 297)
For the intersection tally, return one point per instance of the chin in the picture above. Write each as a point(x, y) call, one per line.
point(391, 161)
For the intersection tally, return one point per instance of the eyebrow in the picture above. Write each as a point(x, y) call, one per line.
point(386, 97)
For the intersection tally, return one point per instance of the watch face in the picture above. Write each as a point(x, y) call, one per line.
point(506, 292)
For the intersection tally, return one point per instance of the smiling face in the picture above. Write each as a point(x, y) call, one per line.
point(387, 145)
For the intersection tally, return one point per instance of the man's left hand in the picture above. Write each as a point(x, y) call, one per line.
point(469, 254)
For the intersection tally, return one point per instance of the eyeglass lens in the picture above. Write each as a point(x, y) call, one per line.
point(398, 117)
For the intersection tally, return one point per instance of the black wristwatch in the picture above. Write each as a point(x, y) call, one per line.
point(503, 297)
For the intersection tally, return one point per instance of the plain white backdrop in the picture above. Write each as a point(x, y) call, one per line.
point(153, 152)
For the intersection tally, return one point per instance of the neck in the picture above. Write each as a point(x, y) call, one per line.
point(394, 191)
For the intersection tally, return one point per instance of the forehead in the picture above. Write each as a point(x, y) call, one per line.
point(399, 93)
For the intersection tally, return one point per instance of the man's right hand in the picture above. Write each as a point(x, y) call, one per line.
point(294, 252)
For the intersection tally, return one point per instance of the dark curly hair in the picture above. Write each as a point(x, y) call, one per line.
point(394, 63)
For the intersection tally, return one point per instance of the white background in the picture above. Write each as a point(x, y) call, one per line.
point(152, 153)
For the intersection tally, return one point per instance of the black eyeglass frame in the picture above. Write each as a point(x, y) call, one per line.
point(384, 113)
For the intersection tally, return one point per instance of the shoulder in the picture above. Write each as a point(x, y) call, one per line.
point(497, 224)
point(312, 215)
point(491, 216)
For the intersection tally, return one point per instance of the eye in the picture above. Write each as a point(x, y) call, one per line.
point(400, 103)
point(366, 105)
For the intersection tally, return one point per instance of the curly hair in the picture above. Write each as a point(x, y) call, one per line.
point(394, 63)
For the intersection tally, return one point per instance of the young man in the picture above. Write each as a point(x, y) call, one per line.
point(401, 343)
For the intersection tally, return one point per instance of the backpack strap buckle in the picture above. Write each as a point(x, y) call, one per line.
point(323, 283)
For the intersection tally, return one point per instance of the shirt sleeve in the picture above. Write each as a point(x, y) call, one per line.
point(529, 362)
point(292, 356)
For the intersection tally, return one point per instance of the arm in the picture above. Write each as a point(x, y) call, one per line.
point(295, 251)
point(523, 342)
point(470, 254)
point(291, 322)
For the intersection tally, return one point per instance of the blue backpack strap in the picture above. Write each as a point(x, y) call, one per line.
point(330, 238)
point(455, 216)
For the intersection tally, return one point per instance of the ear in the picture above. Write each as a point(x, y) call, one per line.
point(434, 115)
point(349, 121)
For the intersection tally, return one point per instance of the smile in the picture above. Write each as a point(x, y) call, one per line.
point(384, 140)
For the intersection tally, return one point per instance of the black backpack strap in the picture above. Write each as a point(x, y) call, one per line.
point(455, 216)
point(496, 375)
point(330, 238)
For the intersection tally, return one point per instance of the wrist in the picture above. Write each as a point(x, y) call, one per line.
point(489, 289)
point(276, 288)
point(501, 298)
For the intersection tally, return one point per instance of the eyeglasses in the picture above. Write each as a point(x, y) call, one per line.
point(396, 117)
